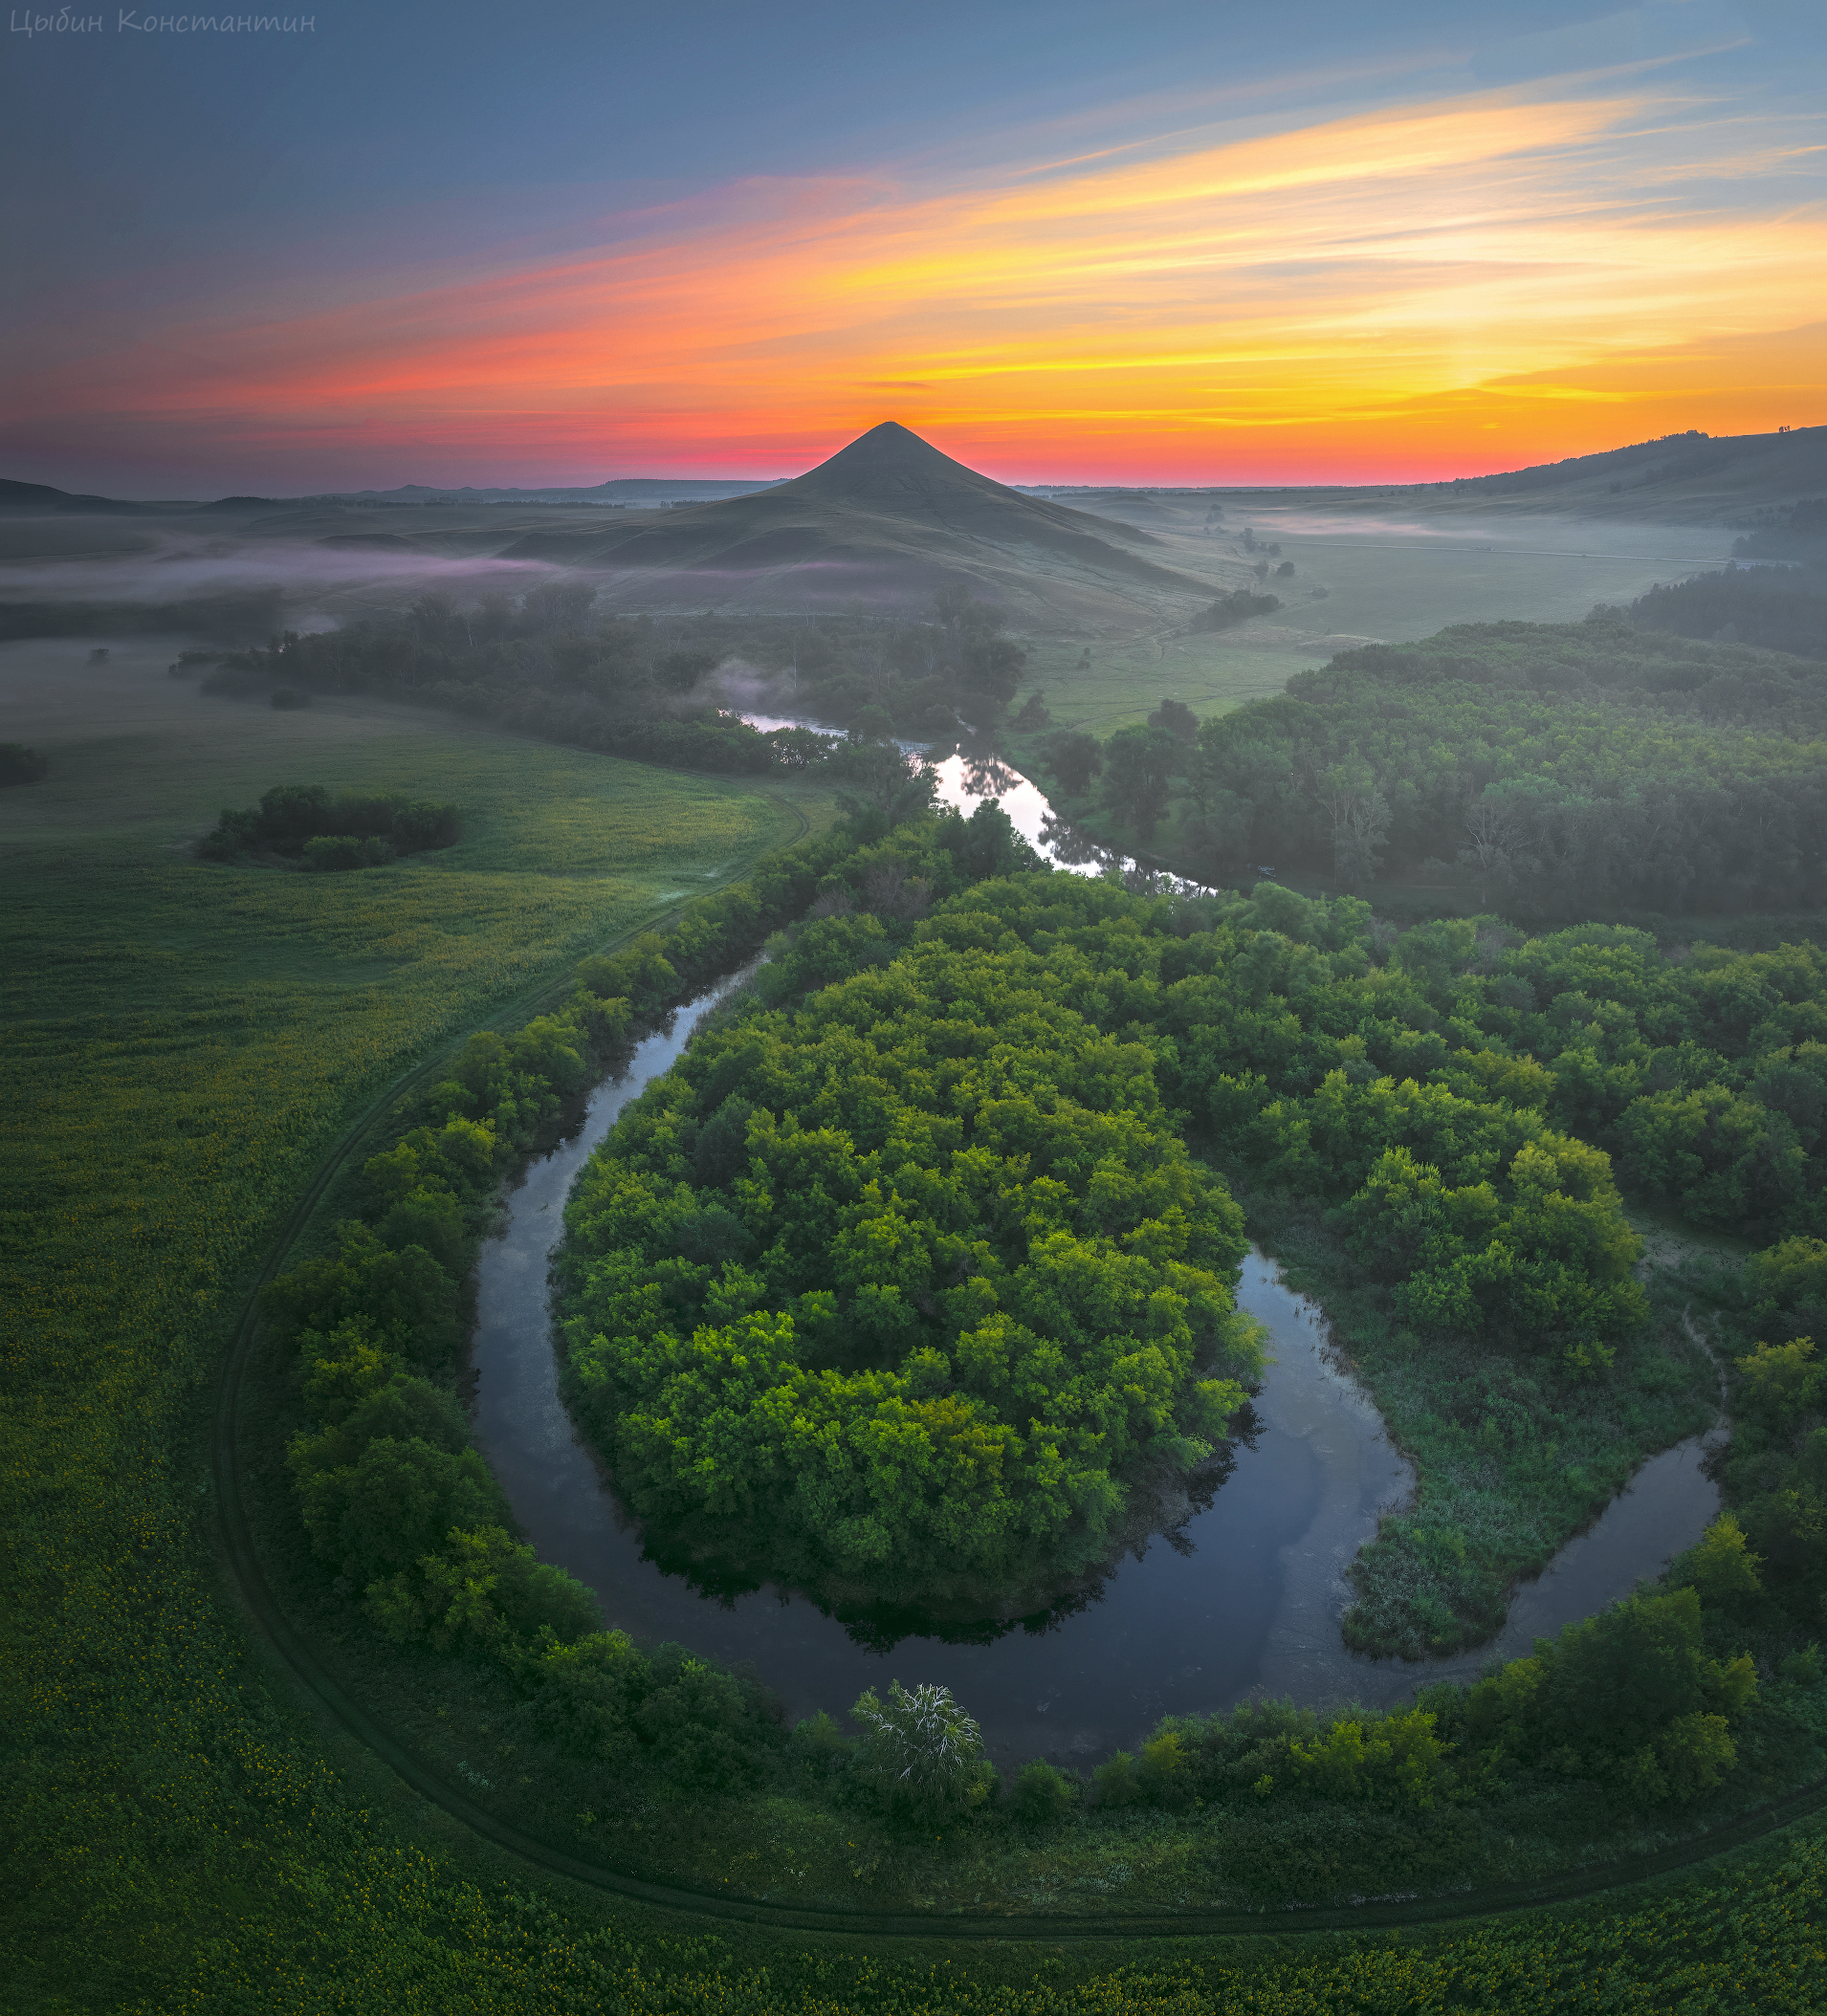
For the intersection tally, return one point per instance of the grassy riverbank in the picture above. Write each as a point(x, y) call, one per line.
point(183, 1043)
point(1511, 1458)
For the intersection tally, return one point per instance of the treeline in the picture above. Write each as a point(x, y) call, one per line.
point(1766, 1562)
point(901, 1293)
point(661, 690)
point(303, 823)
point(1631, 1701)
point(1796, 532)
point(1555, 769)
point(1781, 608)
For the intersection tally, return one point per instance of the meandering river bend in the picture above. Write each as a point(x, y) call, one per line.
point(1244, 1601)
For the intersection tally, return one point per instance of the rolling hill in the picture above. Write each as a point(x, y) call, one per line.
point(889, 519)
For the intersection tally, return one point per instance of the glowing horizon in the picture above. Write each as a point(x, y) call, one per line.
point(1448, 283)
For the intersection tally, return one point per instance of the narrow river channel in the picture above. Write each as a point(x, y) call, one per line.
point(1244, 1602)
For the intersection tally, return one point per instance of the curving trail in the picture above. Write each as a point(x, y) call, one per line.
point(315, 1680)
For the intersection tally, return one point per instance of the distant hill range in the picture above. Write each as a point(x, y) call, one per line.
point(890, 518)
point(637, 492)
point(1692, 477)
point(40, 497)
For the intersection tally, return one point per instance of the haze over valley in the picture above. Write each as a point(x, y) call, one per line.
point(916, 1019)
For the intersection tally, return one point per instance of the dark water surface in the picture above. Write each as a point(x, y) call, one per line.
point(1246, 1602)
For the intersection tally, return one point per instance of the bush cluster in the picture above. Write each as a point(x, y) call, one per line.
point(303, 822)
point(21, 765)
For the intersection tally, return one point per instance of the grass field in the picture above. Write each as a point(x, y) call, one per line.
point(1386, 576)
point(181, 1043)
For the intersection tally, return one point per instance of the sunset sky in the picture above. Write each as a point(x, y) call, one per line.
point(1140, 242)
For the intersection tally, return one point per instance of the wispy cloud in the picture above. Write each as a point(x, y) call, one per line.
point(1346, 279)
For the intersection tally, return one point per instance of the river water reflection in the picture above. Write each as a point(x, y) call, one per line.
point(1243, 1601)
point(973, 773)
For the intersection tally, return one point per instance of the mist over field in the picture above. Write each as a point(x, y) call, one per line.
point(915, 1036)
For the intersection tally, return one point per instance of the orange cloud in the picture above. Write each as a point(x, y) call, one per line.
point(1339, 299)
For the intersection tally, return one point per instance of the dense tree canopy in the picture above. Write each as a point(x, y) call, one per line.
point(811, 1222)
point(1566, 768)
point(910, 1286)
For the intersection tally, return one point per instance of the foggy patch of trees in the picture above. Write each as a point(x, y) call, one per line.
point(1238, 606)
point(667, 688)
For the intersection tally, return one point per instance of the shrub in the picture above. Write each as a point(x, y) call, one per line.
point(1629, 1696)
point(1043, 1796)
point(821, 1754)
point(717, 1731)
point(407, 1302)
point(331, 853)
point(922, 1753)
point(20, 765)
point(1115, 1782)
point(395, 1503)
point(482, 1591)
point(1721, 1567)
point(585, 1694)
point(304, 823)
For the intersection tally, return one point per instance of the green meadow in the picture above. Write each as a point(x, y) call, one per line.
point(1378, 571)
point(185, 1044)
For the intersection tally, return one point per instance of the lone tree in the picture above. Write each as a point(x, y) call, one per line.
point(925, 1754)
point(1139, 767)
point(1074, 760)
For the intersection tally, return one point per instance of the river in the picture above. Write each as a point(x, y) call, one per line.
point(1242, 1601)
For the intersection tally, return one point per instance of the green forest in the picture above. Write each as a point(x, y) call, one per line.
point(900, 1294)
point(1553, 771)
point(860, 1224)
point(1460, 1102)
